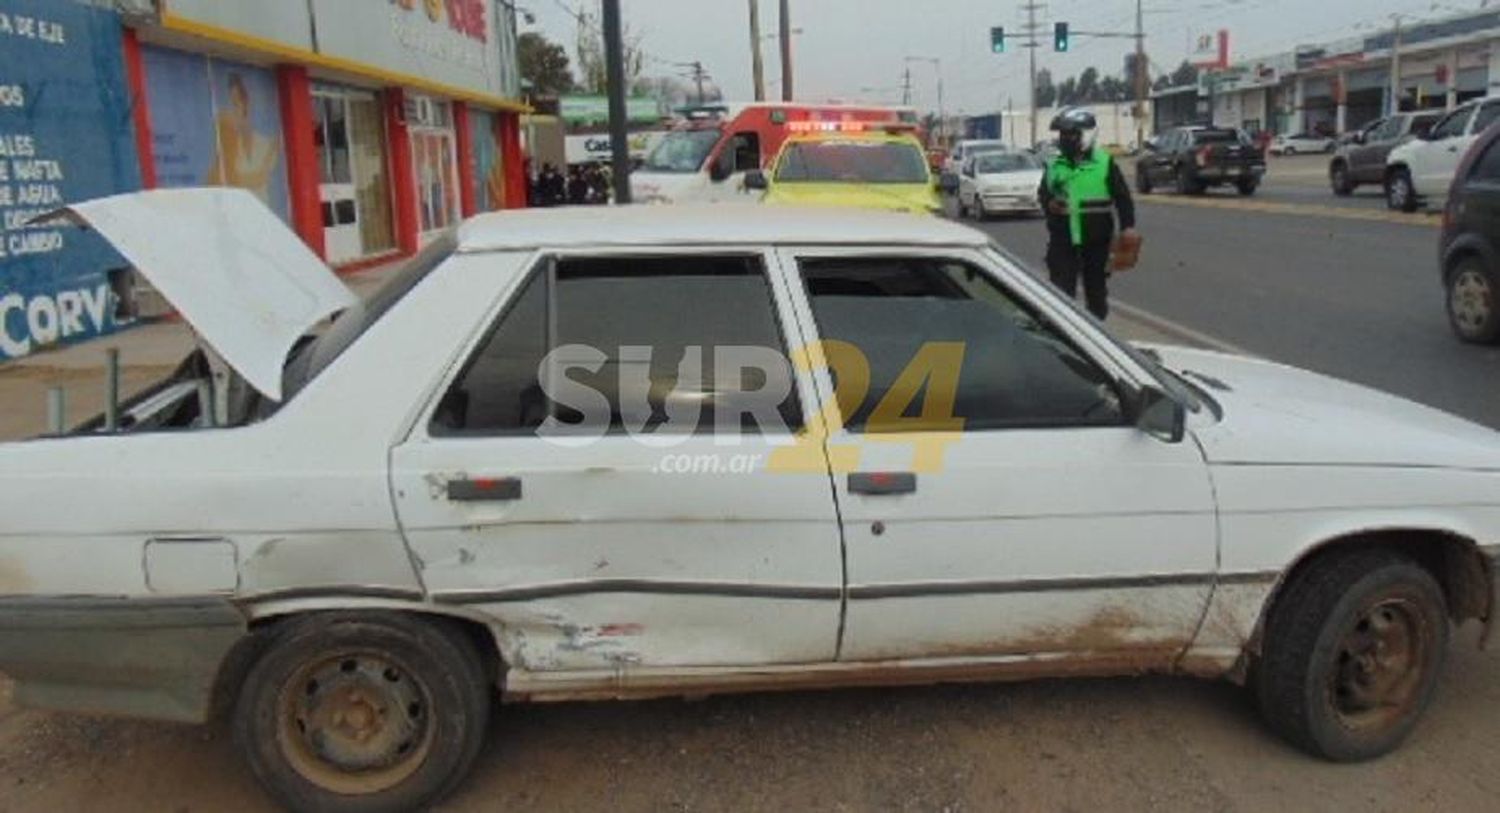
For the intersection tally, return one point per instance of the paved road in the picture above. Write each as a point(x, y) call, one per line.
point(1352, 298)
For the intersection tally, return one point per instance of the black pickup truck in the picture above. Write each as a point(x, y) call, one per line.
point(1191, 159)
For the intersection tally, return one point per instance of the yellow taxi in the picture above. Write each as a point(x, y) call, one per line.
point(850, 163)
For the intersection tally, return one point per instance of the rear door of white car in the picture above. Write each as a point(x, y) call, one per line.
point(1039, 522)
point(547, 491)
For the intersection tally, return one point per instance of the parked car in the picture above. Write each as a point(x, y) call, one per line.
point(520, 470)
point(1420, 171)
point(1470, 247)
point(1361, 160)
point(1191, 159)
point(1302, 143)
point(999, 183)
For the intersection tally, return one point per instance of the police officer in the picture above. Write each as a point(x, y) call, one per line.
point(1079, 189)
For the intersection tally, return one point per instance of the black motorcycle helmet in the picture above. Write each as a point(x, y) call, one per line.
point(1075, 119)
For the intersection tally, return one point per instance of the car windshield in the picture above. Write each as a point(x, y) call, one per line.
point(682, 151)
point(852, 162)
point(1004, 162)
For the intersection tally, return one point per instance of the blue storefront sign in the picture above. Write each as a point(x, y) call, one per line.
point(65, 135)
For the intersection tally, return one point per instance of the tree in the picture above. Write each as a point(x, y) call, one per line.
point(1185, 74)
point(544, 64)
point(593, 71)
point(1162, 82)
point(1088, 86)
point(1046, 92)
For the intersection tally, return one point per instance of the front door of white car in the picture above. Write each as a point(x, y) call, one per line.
point(1435, 163)
point(594, 477)
point(994, 500)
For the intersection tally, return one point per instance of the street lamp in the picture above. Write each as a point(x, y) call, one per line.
point(937, 65)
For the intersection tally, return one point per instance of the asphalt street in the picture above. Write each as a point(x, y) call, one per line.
point(1358, 299)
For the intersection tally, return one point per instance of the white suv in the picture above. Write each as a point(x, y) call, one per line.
point(1420, 171)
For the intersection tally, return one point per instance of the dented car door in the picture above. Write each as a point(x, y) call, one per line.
point(591, 478)
point(995, 499)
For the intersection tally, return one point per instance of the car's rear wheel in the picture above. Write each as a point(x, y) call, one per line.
point(1400, 195)
point(1338, 178)
point(1185, 183)
point(1142, 181)
point(1472, 288)
point(1353, 647)
point(362, 713)
point(1246, 188)
point(1288, 150)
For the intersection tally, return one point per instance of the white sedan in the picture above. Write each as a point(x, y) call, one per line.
point(653, 451)
point(1303, 143)
point(999, 183)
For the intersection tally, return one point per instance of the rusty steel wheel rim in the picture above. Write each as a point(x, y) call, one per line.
point(355, 723)
point(1380, 665)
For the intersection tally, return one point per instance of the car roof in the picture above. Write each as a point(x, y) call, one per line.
point(713, 224)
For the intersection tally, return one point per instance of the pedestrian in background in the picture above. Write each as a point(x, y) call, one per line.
point(1080, 191)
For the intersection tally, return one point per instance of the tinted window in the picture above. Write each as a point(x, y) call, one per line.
point(1216, 137)
point(944, 329)
point(1005, 162)
point(1422, 125)
point(1487, 116)
point(1455, 125)
point(646, 334)
point(1487, 168)
point(852, 161)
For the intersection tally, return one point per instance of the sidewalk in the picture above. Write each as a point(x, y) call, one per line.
point(150, 352)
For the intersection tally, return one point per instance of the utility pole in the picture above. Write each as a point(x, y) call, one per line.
point(786, 50)
point(757, 67)
point(1396, 91)
point(1031, 45)
point(614, 58)
point(1010, 118)
point(698, 76)
point(1141, 73)
point(906, 87)
point(937, 65)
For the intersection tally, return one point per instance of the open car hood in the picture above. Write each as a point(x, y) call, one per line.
point(235, 272)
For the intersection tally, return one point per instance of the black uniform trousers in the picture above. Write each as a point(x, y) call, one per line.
point(1066, 263)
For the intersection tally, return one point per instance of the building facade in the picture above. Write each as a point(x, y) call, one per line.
point(368, 126)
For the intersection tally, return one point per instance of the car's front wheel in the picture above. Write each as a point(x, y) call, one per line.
point(1338, 178)
point(1472, 288)
point(362, 713)
point(1246, 188)
point(1142, 181)
point(1400, 195)
point(1352, 650)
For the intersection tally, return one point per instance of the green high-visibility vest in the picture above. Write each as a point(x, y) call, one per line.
point(1084, 185)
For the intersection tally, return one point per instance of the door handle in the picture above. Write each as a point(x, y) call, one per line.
point(484, 489)
point(880, 483)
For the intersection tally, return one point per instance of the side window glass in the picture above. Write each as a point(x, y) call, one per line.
point(746, 152)
point(1486, 116)
point(1487, 168)
point(1421, 126)
point(1455, 125)
point(669, 345)
point(942, 340)
point(1385, 132)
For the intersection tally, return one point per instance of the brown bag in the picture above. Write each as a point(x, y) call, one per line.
point(1125, 252)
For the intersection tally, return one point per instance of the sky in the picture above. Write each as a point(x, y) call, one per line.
point(856, 50)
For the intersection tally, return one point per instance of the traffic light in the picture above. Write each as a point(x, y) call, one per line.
point(1060, 37)
point(997, 40)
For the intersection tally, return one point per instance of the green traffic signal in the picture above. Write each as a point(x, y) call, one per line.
point(997, 40)
point(1060, 37)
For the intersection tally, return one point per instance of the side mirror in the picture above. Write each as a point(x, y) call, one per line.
point(1159, 415)
point(756, 180)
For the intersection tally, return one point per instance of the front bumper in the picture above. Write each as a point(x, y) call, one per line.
point(139, 657)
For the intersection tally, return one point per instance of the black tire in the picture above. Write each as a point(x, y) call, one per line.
point(1338, 178)
point(1185, 183)
point(1142, 181)
point(1307, 682)
point(321, 670)
point(1400, 195)
point(1473, 296)
point(1246, 188)
point(1289, 150)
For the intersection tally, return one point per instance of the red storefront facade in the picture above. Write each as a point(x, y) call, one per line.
point(369, 126)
